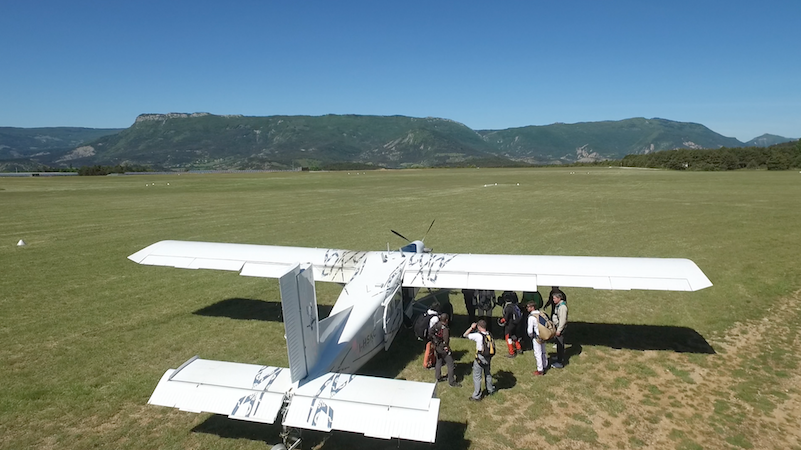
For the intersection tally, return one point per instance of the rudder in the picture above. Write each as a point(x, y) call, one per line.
point(299, 306)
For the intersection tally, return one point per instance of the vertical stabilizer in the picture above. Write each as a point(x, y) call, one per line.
point(299, 304)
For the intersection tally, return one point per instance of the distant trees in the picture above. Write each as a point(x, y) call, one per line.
point(776, 157)
point(778, 161)
point(344, 166)
point(105, 170)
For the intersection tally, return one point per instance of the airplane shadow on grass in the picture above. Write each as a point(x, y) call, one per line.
point(619, 336)
point(404, 349)
point(637, 337)
point(450, 435)
point(250, 309)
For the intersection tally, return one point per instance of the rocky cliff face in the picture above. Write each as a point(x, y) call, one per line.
point(163, 117)
point(80, 152)
point(586, 154)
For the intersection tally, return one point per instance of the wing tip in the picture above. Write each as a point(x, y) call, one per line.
point(140, 256)
point(701, 284)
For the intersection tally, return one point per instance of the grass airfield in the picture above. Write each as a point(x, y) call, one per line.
point(86, 334)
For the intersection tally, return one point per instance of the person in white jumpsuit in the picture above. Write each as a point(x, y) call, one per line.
point(537, 344)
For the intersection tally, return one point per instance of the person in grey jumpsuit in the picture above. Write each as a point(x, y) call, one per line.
point(482, 363)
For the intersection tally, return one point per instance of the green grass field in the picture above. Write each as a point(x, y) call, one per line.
point(85, 334)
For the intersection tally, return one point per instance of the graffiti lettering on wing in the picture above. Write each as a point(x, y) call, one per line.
point(248, 406)
point(319, 410)
point(335, 383)
point(426, 266)
point(337, 261)
point(265, 377)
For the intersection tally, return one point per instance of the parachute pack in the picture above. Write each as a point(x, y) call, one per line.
point(421, 326)
point(546, 327)
point(485, 300)
point(516, 314)
point(489, 346)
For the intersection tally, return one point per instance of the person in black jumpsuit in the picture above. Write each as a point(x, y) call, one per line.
point(440, 336)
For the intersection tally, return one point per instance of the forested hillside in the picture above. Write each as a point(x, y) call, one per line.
point(593, 141)
point(776, 157)
point(179, 141)
point(221, 142)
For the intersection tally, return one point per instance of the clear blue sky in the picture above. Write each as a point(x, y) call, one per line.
point(734, 66)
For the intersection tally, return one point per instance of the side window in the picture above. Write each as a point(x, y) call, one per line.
point(393, 313)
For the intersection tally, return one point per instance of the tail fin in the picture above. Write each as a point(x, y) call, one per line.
point(299, 305)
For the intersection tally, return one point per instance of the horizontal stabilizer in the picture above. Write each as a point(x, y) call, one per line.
point(376, 407)
point(240, 391)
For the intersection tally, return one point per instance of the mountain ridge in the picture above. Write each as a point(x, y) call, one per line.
point(206, 141)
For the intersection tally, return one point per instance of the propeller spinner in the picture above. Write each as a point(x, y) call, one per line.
point(415, 246)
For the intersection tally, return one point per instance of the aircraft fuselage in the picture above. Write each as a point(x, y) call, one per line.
point(366, 316)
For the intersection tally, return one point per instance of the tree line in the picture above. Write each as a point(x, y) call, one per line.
point(776, 157)
point(105, 170)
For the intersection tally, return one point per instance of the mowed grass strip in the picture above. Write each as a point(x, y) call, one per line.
point(85, 333)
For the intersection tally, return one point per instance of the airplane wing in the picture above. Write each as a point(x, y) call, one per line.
point(437, 270)
point(268, 261)
point(375, 407)
point(526, 272)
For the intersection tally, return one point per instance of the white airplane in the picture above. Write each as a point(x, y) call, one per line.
point(319, 391)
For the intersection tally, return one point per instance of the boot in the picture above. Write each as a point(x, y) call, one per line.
point(512, 352)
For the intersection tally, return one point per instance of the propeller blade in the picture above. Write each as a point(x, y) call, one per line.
point(429, 229)
point(401, 236)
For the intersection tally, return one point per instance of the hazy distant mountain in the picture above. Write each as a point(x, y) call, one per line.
point(766, 140)
point(593, 141)
point(206, 141)
point(27, 142)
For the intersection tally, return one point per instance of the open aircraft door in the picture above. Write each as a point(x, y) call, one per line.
point(393, 317)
